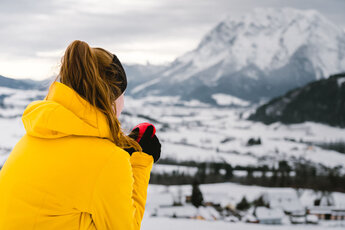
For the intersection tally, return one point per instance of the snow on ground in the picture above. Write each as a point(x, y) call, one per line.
point(225, 99)
point(161, 197)
point(197, 131)
point(184, 153)
point(204, 133)
point(230, 193)
point(162, 223)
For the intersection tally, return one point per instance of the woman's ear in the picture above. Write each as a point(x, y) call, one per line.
point(119, 103)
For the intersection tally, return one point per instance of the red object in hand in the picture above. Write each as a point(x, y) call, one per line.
point(142, 127)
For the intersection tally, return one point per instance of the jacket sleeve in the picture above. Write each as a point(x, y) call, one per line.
point(119, 196)
point(141, 167)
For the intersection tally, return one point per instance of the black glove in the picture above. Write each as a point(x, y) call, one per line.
point(150, 145)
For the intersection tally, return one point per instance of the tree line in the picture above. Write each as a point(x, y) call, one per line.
point(299, 174)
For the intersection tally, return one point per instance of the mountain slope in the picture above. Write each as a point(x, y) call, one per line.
point(259, 55)
point(321, 101)
point(139, 74)
point(17, 84)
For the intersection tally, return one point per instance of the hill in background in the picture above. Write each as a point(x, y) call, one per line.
point(320, 101)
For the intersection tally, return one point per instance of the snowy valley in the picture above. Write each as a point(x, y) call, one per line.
point(246, 171)
point(193, 133)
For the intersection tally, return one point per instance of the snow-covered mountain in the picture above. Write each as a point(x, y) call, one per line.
point(138, 74)
point(261, 54)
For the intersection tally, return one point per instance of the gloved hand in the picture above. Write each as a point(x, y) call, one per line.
point(149, 144)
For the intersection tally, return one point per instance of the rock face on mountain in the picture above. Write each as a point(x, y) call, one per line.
point(320, 101)
point(257, 56)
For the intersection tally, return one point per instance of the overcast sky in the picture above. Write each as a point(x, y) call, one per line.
point(35, 33)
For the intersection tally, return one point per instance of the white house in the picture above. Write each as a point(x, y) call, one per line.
point(285, 199)
point(331, 207)
point(269, 216)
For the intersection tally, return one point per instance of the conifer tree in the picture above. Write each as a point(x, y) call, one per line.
point(197, 198)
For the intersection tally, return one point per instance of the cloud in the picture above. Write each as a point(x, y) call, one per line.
point(37, 32)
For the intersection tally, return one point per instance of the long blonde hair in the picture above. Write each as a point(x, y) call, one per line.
point(92, 74)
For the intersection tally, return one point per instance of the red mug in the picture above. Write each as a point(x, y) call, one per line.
point(142, 127)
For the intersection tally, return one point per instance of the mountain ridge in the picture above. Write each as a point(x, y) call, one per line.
point(265, 52)
point(321, 101)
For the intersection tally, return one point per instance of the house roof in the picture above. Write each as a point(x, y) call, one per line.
point(263, 213)
point(285, 199)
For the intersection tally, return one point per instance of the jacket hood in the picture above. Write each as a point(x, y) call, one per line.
point(63, 112)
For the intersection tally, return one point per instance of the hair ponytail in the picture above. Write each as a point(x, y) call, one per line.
point(91, 73)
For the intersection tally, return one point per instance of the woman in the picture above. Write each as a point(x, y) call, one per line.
point(75, 168)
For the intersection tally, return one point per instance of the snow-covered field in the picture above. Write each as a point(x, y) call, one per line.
point(160, 195)
point(227, 193)
point(162, 223)
point(196, 131)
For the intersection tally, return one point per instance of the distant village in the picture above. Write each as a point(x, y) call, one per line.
point(277, 207)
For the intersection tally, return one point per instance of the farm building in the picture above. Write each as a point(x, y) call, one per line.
point(285, 199)
point(269, 216)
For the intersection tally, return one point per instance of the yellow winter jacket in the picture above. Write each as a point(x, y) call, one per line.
point(65, 173)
